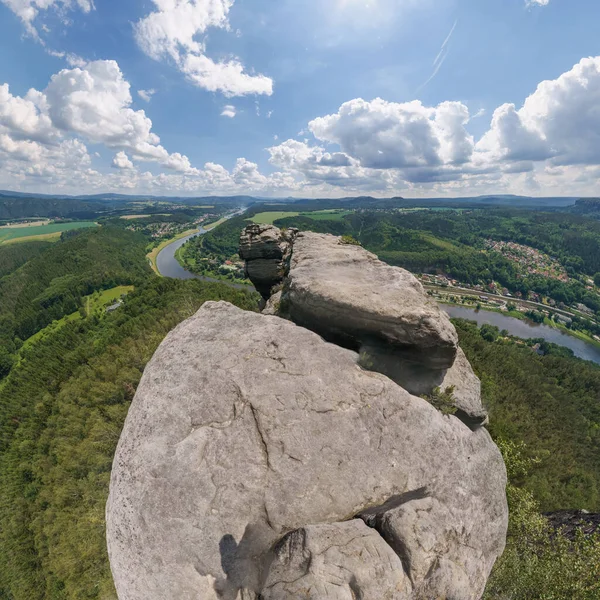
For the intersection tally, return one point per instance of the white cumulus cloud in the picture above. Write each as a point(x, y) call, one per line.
point(79, 105)
point(229, 111)
point(28, 10)
point(173, 31)
point(383, 134)
point(121, 161)
point(560, 121)
point(146, 95)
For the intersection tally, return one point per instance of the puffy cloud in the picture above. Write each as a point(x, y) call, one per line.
point(26, 118)
point(146, 95)
point(90, 104)
point(246, 173)
point(549, 145)
point(385, 135)
point(560, 120)
point(121, 161)
point(229, 111)
point(28, 10)
point(172, 31)
point(537, 2)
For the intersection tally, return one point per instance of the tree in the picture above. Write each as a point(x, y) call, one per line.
point(597, 279)
point(489, 333)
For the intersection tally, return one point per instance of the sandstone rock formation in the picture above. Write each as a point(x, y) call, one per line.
point(260, 462)
point(351, 298)
point(266, 251)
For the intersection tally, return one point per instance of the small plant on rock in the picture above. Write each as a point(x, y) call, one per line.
point(443, 400)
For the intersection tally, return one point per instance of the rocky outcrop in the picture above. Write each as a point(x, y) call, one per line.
point(351, 298)
point(259, 461)
point(570, 523)
point(266, 251)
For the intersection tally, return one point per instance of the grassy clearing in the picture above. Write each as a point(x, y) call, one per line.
point(91, 303)
point(152, 256)
point(330, 214)
point(443, 244)
point(48, 237)
point(327, 215)
point(268, 218)
point(215, 224)
point(42, 231)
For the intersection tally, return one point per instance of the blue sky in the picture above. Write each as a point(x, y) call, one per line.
point(300, 97)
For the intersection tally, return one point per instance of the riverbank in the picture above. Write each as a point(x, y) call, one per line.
point(525, 329)
point(153, 255)
point(515, 314)
point(189, 266)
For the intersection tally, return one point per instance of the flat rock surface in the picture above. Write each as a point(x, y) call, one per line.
point(246, 428)
point(349, 296)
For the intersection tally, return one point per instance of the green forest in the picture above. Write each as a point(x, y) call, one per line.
point(65, 392)
point(62, 408)
point(452, 242)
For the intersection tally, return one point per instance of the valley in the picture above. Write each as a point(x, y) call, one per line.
point(80, 318)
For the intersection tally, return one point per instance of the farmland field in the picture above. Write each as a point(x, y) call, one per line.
point(267, 218)
point(318, 215)
point(47, 232)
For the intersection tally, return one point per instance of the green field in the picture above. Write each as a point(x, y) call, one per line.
point(268, 218)
point(10, 235)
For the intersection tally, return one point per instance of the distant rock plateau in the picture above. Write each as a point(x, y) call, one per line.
point(289, 455)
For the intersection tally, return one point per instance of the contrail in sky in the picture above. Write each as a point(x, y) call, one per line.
point(445, 43)
point(441, 57)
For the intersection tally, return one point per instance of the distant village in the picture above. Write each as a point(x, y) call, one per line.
point(531, 261)
point(495, 297)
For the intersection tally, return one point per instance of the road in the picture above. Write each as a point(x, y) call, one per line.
point(528, 303)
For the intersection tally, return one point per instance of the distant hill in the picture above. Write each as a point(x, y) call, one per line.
point(24, 207)
point(21, 205)
point(587, 207)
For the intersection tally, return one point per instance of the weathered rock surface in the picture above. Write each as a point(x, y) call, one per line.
point(342, 561)
point(251, 442)
point(349, 296)
point(266, 250)
point(421, 380)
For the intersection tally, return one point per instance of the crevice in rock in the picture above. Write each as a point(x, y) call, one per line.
point(263, 441)
point(375, 518)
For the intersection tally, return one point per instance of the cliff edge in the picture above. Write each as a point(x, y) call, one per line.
point(270, 458)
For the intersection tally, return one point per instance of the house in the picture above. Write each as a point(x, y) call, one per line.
point(114, 306)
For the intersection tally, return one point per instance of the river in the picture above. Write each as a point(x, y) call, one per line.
point(168, 265)
point(526, 330)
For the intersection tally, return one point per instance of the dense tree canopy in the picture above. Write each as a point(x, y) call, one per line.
point(61, 412)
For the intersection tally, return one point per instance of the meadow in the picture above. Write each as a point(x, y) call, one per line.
point(46, 232)
point(268, 218)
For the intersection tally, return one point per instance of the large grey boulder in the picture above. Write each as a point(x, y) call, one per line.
point(246, 428)
point(266, 250)
point(341, 561)
point(421, 380)
point(349, 296)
